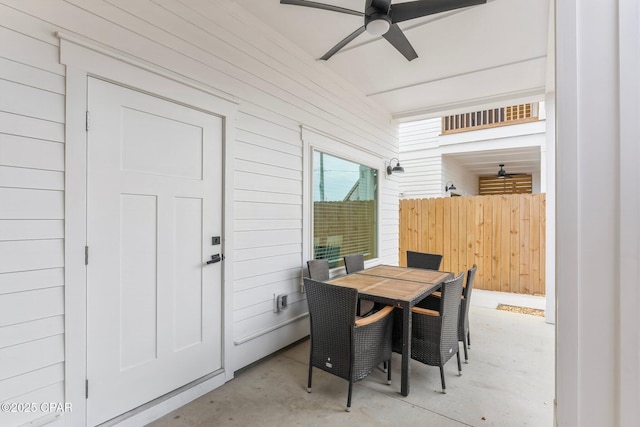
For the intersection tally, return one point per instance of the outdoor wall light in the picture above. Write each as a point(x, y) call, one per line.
point(448, 187)
point(397, 168)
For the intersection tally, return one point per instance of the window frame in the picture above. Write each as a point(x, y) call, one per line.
point(317, 141)
point(376, 198)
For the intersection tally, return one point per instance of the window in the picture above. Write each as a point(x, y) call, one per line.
point(344, 209)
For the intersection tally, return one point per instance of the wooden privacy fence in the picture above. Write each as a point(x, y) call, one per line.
point(503, 234)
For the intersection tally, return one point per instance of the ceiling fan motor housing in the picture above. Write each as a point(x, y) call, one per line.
point(377, 23)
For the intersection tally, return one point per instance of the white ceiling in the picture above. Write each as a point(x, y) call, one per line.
point(483, 56)
point(479, 56)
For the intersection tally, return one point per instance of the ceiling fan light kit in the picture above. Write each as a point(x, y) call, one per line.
point(377, 24)
point(381, 19)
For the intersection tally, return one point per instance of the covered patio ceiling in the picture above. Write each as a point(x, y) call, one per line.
point(477, 57)
point(525, 160)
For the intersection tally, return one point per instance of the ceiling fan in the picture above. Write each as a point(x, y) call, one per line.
point(503, 174)
point(381, 19)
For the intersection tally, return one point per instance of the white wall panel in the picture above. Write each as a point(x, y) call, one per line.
point(267, 278)
point(25, 49)
point(216, 46)
point(31, 204)
point(245, 210)
point(32, 122)
point(260, 182)
point(252, 199)
point(253, 253)
point(15, 124)
point(31, 178)
point(31, 305)
point(13, 71)
point(29, 280)
point(31, 229)
point(29, 331)
point(19, 385)
point(21, 255)
point(32, 102)
point(19, 152)
point(51, 393)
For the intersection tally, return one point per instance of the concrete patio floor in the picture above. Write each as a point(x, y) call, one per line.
point(509, 381)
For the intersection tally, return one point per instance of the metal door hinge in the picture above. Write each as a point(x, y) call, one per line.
point(87, 120)
point(86, 255)
point(86, 389)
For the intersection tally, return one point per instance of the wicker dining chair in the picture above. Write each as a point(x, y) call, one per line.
point(352, 264)
point(340, 344)
point(424, 260)
point(463, 322)
point(433, 302)
point(318, 269)
point(434, 335)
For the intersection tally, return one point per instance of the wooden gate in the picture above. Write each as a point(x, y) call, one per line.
point(503, 234)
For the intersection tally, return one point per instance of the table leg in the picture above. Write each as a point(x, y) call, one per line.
point(406, 350)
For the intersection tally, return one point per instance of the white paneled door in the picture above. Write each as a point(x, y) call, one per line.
point(154, 309)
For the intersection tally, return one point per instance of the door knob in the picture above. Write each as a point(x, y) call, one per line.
point(215, 258)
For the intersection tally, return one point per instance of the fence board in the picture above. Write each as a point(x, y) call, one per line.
point(424, 226)
point(479, 240)
point(542, 245)
point(487, 247)
point(504, 235)
point(470, 235)
point(432, 225)
point(446, 234)
point(462, 234)
point(514, 264)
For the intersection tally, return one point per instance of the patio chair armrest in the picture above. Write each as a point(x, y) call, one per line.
point(438, 294)
point(382, 313)
point(425, 311)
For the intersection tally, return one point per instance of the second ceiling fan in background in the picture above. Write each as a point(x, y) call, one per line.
point(381, 19)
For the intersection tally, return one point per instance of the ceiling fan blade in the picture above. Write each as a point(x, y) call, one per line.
point(416, 9)
point(321, 6)
point(396, 37)
point(343, 43)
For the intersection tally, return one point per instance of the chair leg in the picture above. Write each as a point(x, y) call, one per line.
point(464, 345)
point(309, 380)
point(459, 365)
point(388, 365)
point(444, 390)
point(469, 338)
point(349, 396)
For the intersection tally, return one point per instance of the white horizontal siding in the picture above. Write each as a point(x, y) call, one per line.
point(17, 151)
point(30, 280)
point(419, 135)
point(222, 48)
point(50, 393)
point(32, 102)
point(32, 330)
point(32, 120)
point(34, 380)
point(419, 156)
point(31, 229)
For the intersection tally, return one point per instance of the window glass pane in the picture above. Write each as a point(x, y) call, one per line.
point(344, 209)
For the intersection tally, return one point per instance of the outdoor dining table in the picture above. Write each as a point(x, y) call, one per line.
point(401, 287)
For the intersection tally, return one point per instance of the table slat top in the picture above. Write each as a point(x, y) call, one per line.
point(396, 283)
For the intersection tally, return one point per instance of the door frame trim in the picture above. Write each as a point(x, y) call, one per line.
point(84, 59)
